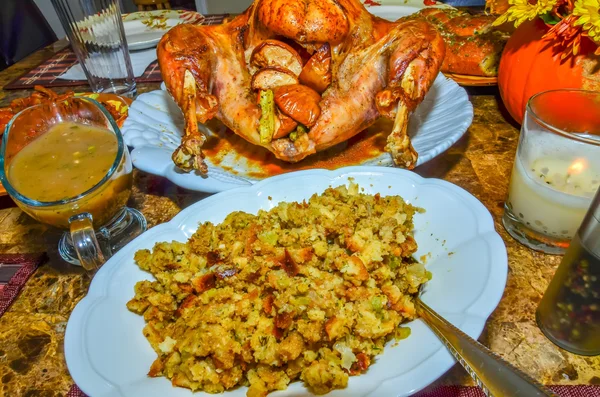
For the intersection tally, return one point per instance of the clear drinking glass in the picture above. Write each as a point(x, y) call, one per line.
point(556, 170)
point(97, 220)
point(95, 30)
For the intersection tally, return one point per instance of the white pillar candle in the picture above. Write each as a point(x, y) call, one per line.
point(551, 194)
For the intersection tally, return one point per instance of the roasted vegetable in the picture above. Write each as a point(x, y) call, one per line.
point(272, 77)
point(283, 125)
point(299, 102)
point(266, 126)
point(278, 54)
point(317, 72)
point(301, 130)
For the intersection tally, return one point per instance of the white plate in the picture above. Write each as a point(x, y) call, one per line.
point(155, 124)
point(393, 10)
point(108, 356)
point(144, 29)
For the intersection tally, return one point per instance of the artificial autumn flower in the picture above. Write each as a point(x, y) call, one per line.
point(588, 12)
point(522, 10)
point(568, 20)
point(566, 36)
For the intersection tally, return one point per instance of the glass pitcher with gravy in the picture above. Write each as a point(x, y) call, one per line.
point(65, 164)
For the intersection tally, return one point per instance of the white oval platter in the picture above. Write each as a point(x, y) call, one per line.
point(108, 356)
point(155, 124)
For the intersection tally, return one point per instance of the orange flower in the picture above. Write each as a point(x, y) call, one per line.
point(568, 20)
point(524, 10)
point(566, 36)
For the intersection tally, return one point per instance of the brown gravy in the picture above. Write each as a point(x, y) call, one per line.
point(65, 162)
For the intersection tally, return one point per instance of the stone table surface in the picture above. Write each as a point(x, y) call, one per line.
point(32, 359)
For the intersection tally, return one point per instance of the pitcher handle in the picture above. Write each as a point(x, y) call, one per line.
point(85, 242)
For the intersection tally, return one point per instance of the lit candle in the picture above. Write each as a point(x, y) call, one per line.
point(556, 171)
point(551, 195)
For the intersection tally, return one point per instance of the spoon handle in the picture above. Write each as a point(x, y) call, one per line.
point(495, 376)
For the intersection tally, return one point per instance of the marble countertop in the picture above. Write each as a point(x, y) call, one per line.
point(31, 332)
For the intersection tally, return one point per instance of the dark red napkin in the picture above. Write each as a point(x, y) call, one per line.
point(459, 391)
point(472, 391)
point(15, 270)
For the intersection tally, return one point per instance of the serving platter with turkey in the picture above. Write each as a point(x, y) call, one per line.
point(294, 85)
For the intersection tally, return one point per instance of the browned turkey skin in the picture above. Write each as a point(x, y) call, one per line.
point(299, 76)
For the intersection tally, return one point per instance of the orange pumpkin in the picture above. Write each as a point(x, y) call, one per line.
point(530, 64)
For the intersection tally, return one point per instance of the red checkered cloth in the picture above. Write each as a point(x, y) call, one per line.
point(16, 268)
point(472, 391)
point(457, 391)
point(46, 73)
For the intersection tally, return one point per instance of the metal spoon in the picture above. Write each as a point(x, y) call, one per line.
point(495, 376)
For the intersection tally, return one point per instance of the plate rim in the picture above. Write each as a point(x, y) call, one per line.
point(149, 43)
point(492, 291)
point(136, 14)
point(467, 80)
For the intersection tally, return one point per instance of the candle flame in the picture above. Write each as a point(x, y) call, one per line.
point(578, 166)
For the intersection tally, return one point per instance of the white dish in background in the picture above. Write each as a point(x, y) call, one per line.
point(155, 124)
point(393, 10)
point(393, 13)
point(144, 29)
point(108, 356)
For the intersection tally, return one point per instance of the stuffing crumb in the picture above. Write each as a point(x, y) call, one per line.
point(306, 291)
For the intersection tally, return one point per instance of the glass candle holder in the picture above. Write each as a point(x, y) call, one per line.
point(556, 170)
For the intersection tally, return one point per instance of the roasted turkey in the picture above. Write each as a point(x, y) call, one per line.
point(299, 76)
